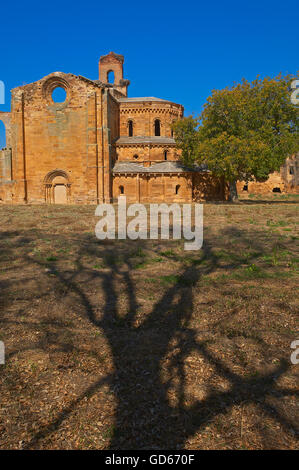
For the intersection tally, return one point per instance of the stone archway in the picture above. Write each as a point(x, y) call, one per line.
point(57, 187)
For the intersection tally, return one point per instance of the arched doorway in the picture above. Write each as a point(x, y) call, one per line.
point(60, 194)
point(57, 187)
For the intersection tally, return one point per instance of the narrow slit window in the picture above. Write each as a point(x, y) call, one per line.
point(130, 125)
point(157, 127)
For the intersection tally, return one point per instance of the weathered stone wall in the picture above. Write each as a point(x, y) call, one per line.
point(5, 166)
point(253, 187)
point(113, 125)
point(144, 114)
point(146, 153)
point(290, 174)
point(208, 188)
point(284, 181)
point(113, 63)
point(7, 191)
point(57, 139)
point(108, 63)
point(154, 188)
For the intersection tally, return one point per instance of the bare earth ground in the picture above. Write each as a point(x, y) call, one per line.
point(142, 345)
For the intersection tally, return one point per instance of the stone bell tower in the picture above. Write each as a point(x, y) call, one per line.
point(111, 72)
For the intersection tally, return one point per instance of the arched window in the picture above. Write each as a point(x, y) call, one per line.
point(165, 154)
point(245, 187)
point(157, 127)
point(2, 135)
point(121, 190)
point(177, 189)
point(110, 76)
point(130, 128)
point(135, 157)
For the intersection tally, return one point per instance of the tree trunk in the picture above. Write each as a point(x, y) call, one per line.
point(233, 194)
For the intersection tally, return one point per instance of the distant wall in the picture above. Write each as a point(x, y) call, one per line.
point(5, 166)
point(284, 181)
point(7, 186)
point(153, 188)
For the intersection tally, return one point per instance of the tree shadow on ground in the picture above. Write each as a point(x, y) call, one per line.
point(145, 418)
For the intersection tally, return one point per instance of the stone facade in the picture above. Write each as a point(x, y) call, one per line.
point(95, 145)
point(284, 181)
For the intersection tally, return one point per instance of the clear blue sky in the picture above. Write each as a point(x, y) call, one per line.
point(174, 50)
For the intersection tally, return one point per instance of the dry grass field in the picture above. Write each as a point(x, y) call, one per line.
point(142, 345)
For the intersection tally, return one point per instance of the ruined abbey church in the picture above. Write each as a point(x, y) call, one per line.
point(97, 144)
